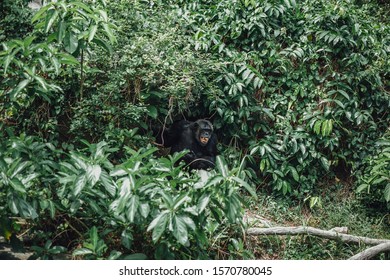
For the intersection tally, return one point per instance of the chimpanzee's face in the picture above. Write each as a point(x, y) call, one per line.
point(203, 131)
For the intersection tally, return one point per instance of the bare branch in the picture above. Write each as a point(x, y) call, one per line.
point(372, 252)
point(328, 234)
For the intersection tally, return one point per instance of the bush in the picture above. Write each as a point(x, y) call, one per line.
point(144, 198)
point(304, 84)
point(375, 179)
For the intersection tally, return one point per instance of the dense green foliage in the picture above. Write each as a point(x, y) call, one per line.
point(298, 92)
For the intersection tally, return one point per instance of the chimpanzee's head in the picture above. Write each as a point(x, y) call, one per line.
point(203, 130)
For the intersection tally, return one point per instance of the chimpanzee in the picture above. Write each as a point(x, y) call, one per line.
point(197, 137)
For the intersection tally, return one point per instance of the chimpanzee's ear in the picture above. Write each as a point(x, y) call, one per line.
point(195, 125)
point(211, 126)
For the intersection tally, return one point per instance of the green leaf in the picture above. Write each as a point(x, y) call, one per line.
point(17, 185)
point(325, 163)
point(51, 17)
point(317, 127)
point(93, 235)
point(56, 64)
point(93, 174)
point(70, 42)
point(244, 184)
point(263, 164)
point(126, 238)
point(102, 44)
point(82, 252)
point(189, 222)
point(132, 204)
point(83, 7)
point(109, 33)
point(144, 209)
point(108, 183)
point(18, 167)
point(27, 41)
point(214, 181)
point(180, 200)
point(180, 230)
point(19, 88)
point(221, 166)
point(42, 10)
point(68, 59)
point(386, 193)
point(294, 173)
point(152, 111)
point(79, 184)
point(61, 30)
point(103, 15)
point(203, 202)
point(26, 210)
point(57, 250)
point(92, 32)
point(158, 225)
point(302, 147)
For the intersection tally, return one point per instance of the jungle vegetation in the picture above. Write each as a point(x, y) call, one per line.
point(297, 91)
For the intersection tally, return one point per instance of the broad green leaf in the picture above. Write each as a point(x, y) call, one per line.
point(180, 200)
point(41, 82)
point(158, 225)
point(109, 33)
point(93, 174)
point(79, 184)
point(144, 209)
point(302, 147)
point(17, 185)
point(40, 13)
point(102, 44)
point(19, 88)
point(17, 167)
point(189, 222)
point(132, 207)
point(51, 17)
point(126, 238)
point(103, 15)
point(294, 173)
point(68, 59)
point(221, 166)
point(325, 163)
point(263, 163)
point(26, 210)
point(94, 237)
point(180, 230)
point(317, 127)
point(203, 202)
point(92, 32)
point(83, 7)
point(108, 183)
point(82, 251)
point(56, 64)
point(214, 181)
point(61, 30)
point(157, 220)
point(70, 42)
point(152, 111)
point(27, 41)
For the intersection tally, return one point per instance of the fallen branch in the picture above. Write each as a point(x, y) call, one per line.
point(372, 252)
point(329, 234)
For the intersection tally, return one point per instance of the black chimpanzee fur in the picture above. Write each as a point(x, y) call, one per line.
point(192, 136)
